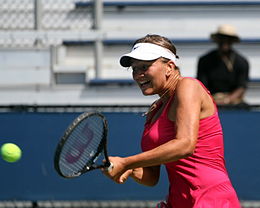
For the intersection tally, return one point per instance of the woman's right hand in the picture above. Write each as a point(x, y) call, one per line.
point(119, 172)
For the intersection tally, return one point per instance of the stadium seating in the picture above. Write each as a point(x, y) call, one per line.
point(67, 27)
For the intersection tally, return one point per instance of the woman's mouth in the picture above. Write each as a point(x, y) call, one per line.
point(144, 84)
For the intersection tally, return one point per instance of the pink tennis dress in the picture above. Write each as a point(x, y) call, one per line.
point(201, 180)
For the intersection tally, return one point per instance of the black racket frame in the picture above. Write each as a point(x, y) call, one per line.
point(102, 147)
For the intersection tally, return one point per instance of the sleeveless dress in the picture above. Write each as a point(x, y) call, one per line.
point(200, 180)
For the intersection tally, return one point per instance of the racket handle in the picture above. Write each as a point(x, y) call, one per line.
point(110, 167)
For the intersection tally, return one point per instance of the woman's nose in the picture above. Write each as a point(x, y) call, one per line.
point(138, 73)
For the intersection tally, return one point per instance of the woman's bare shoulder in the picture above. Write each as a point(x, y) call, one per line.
point(188, 85)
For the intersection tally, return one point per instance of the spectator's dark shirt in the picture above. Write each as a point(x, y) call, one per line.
point(213, 73)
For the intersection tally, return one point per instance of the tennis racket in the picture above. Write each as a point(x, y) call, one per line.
point(80, 148)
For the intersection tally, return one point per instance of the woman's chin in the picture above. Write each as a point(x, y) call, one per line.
point(146, 92)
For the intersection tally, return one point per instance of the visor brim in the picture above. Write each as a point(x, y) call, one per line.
point(125, 60)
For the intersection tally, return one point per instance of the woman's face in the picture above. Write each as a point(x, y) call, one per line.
point(150, 76)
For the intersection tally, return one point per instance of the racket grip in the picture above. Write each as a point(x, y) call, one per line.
point(110, 167)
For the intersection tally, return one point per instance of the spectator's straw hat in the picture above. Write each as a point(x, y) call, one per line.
point(225, 31)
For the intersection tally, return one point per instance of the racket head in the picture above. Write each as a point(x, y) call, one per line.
point(80, 146)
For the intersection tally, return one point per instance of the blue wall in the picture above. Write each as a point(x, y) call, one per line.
point(34, 178)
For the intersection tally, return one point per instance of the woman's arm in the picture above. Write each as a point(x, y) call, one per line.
point(188, 107)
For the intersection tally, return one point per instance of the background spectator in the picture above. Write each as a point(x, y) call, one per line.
point(223, 70)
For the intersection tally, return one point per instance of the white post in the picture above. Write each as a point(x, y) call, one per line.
point(37, 14)
point(97, 26)
point(37, 18)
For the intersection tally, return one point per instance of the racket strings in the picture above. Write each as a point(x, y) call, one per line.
point(82, 145)
point(81, 153)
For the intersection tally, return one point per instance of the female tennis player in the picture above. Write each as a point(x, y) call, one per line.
point(182, 132)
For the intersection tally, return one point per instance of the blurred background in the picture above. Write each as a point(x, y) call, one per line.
point(59, 58)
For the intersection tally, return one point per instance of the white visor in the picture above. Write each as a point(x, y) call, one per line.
point(146, 52)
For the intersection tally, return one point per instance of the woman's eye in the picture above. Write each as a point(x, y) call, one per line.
point(144, 67)
point(140, 68)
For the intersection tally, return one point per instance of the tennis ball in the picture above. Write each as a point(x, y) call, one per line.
point(11, 152)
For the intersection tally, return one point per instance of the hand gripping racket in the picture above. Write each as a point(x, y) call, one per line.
point(81, 146)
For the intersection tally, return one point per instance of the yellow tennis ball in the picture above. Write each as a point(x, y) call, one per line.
point(11, 152)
